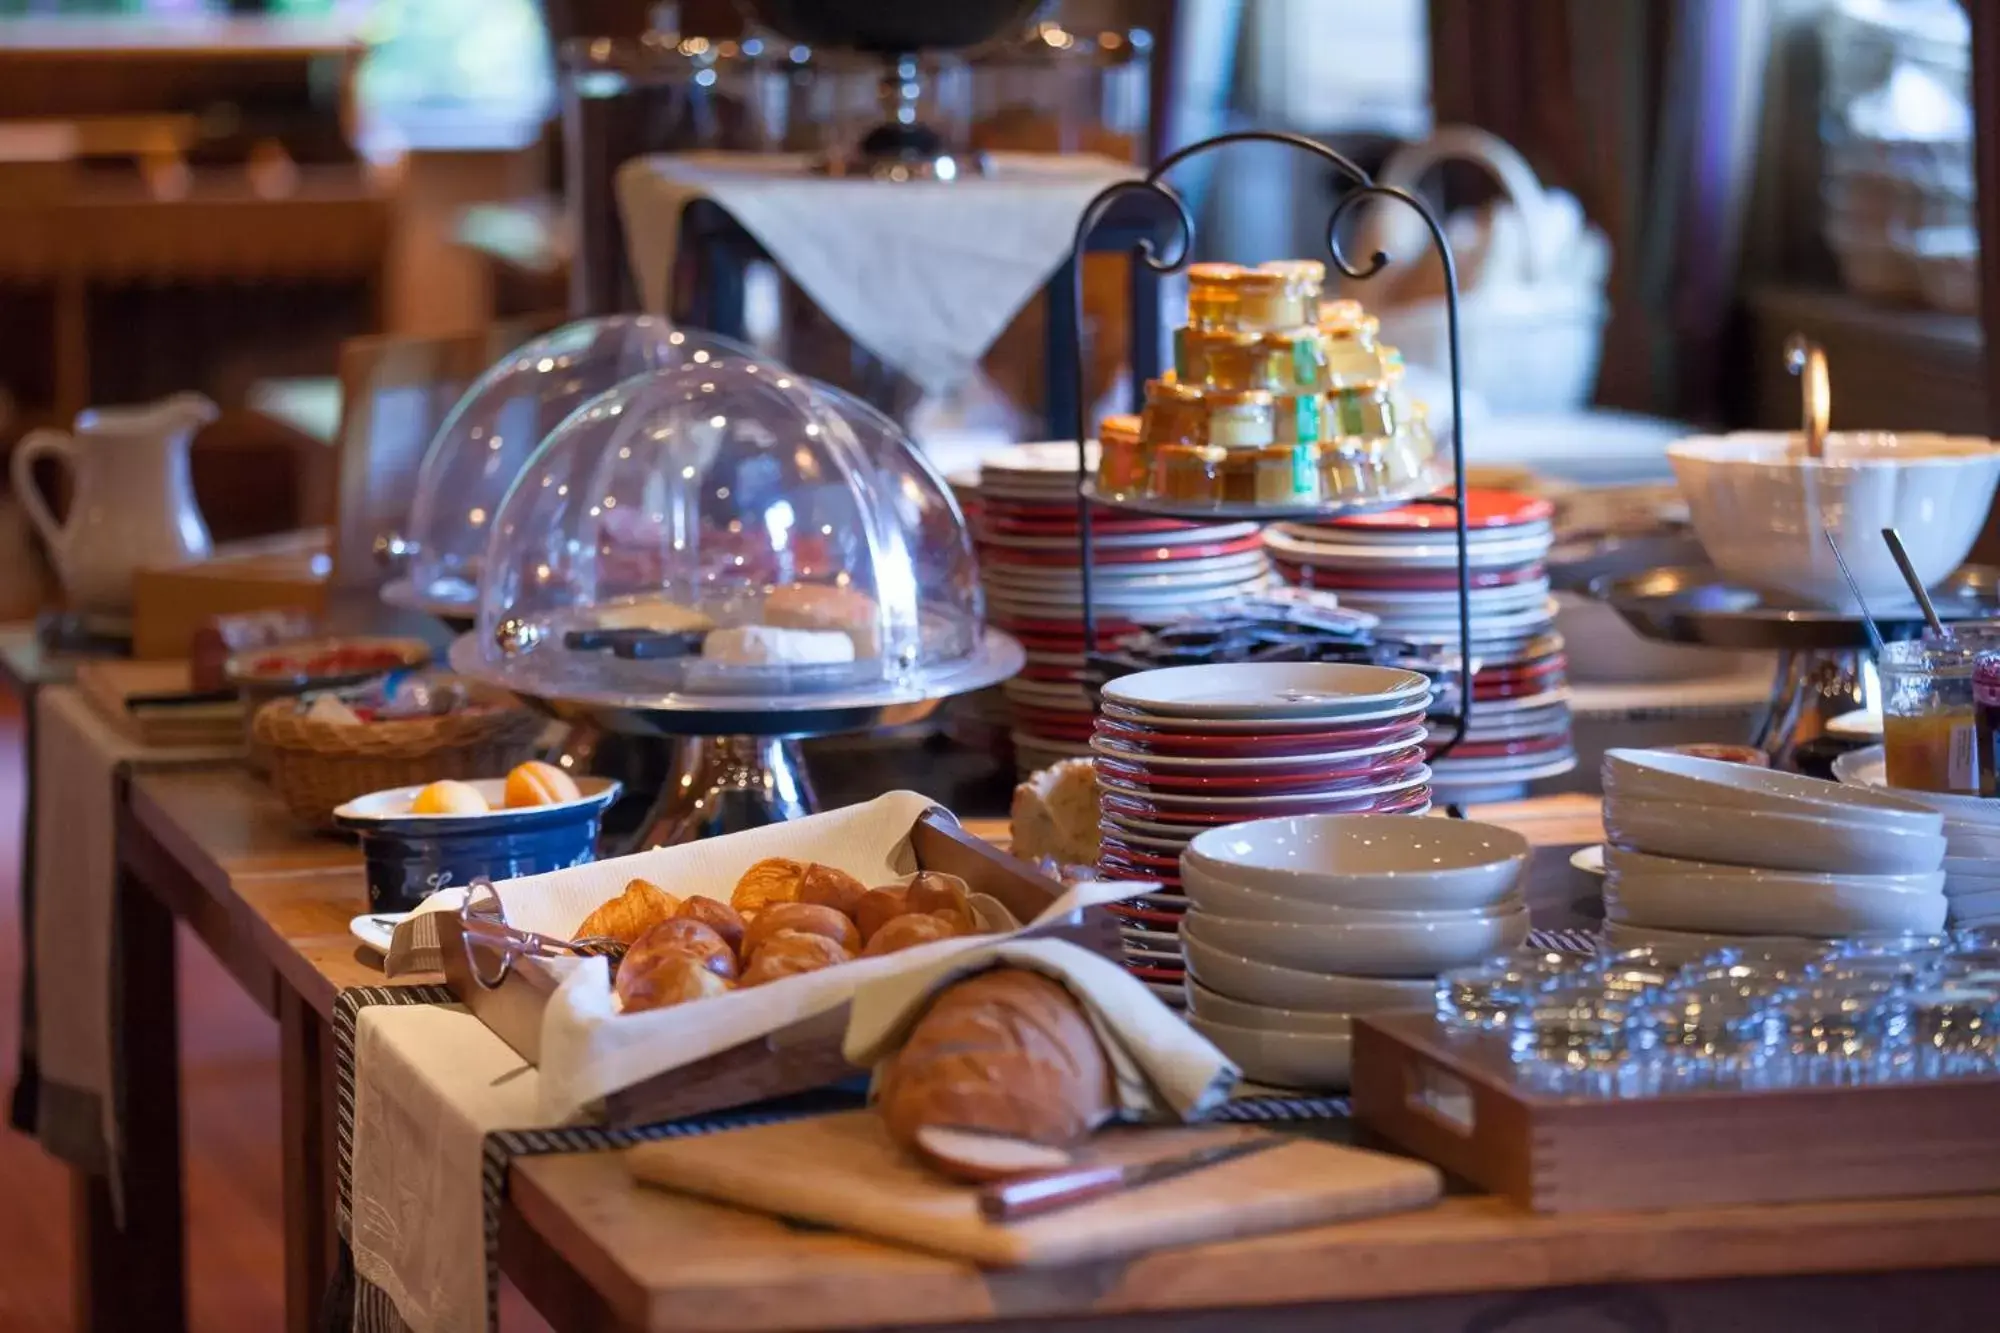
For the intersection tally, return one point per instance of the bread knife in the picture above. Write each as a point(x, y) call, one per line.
point(1032, 1196)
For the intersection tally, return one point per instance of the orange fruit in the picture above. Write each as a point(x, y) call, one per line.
point(537, 783)
point(449, 797)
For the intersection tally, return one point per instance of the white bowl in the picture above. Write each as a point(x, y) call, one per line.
point(1778, 842)
point(1971, 869)
point(1772, 903)
point(1266, 984)
point(1686, 946)
point(1226, 899)
point(1970, 906)
point(1760, 507)
point(1973, 842)
point(1389, 861)
point(1630, 865)
point(1319, 1061)
point(1868, 768)
point(1658, 775)
point(1417, 948)
point(1205, 1004)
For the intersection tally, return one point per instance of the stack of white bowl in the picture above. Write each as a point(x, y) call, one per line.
point(1971, 836)
point(1297, 923)
point(1704, 853)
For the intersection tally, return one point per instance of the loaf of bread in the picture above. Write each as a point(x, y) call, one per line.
point(717, 915)
point(806, 919)
point(631, 914)
point(666, 979)
point(790, 952)
point(1007, 1053)
point(1055, 814)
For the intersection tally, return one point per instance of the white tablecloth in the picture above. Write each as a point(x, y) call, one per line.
point(924, 274)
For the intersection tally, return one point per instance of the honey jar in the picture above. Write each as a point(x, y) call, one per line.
point(1352, 356)
point(1212, 302)
point(1245, 362)
point(1288, 474)
point(1341, 316)
point(1267, 300)
point(1174, 414)
point(1364, 412)
point(1347, 472)
point(1305, 277)
point(1295, 418)
point(1300, 357)
point(1187, 472)
point(1239, 476)
point(1220, 357)
point(1239, 420)
point(1121, 456)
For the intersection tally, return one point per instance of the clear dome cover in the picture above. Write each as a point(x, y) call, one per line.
point(500, 421)
point(729, 529)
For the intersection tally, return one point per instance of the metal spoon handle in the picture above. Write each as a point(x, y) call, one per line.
point(1867, 621)
point(1902, 558)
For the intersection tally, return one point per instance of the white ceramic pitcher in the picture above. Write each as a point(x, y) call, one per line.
point(132, 503)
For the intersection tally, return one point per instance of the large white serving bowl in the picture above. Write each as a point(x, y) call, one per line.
point(1205, 1004)
point(1974, 907)
point(1226, 899)
point(1385, 861)
point(1868, 767)
point(1761, 508)
point(1970, 876)
point(1237, 977)
point(1774, 904)
point(1660, 775)
point(1319, 1061)
point(1778, 842)
point(1687, 946)
point(1421, 948)
point(1629, 866)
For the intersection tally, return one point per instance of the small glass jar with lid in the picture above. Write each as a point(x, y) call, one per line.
point(1300, 357)
point(1238, 363)
point(1288, 474)
point(1268, 300)
point(1305, 279)
point(1175, 413)
point(1191, 472)
point(1352, 356)
point(1364, 412)
point(1238, 420)
point(1296, 417)
point(1930, 735)
point(1212, 302)
point(1122, 464)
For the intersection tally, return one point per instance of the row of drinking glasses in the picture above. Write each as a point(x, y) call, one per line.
point(1865, 1010)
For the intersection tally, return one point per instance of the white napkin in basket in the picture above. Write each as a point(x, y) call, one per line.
point(1164, 1068)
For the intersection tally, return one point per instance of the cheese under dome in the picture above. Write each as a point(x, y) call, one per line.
point(726, 529)
point(499, 422)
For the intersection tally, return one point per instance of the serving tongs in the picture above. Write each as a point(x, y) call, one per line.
point(492, 947)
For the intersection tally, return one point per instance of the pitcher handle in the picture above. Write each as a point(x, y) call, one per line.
point(50, 443)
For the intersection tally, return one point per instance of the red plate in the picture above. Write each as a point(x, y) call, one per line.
point(1138, 807)
point(1147, 972)
point(1371, 772)
point(1484, 509)
point(1146, 915)
point(1151, 862)
point(1107, 628)
point(1214, 745)
point(1419, 580)
point(1507, 749)
point(1165, 553)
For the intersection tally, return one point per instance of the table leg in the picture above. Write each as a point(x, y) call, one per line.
point(303, 1046)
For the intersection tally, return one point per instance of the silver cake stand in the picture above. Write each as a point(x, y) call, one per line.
point(736, 762)
point(1825, 666)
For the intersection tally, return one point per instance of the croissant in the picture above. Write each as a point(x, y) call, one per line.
point(631, 914)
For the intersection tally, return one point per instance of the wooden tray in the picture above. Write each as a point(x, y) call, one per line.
point(793, 1059)
point(1454, 1099)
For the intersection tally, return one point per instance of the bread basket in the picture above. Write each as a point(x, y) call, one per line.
point(316, 765)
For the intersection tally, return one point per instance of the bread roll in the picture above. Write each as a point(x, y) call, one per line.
point(959, 923)
point(935, 891)
point(810, 606)
point(775, 879)
point(790, 952)
point(1006, 1052)
point(631, 914)
point(537, 783)
point(679, 935)
point(907, 932)
point(832, 888)
point(718, 916)
point(1055, 814)
point(669, 978)
point(805, 918)
point(878, 908)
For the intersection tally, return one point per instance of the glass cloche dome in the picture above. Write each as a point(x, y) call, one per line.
point(731, 535)
point(499, 422)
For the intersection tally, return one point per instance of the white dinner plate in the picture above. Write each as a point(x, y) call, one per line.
point(375, 929)
point(1268, 690)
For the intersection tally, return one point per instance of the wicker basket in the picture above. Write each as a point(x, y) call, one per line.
point(316, 766)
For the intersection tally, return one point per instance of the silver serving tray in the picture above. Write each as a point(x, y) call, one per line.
point(1696, 604)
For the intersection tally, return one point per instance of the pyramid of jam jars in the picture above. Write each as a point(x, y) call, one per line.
point(1276, 399)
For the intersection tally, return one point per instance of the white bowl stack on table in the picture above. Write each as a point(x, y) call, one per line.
point(1297, 923)
point(1402, 566)
point(1971, 836)
point(1182, 750)
point(1146, 571)
point(1704, 853)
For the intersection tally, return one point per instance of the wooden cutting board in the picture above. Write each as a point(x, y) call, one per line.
point(111, 685)
point(842, 1171)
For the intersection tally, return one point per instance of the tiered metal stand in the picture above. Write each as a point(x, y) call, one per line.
point(1153, 193)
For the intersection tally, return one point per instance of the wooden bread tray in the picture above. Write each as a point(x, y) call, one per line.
point(794, 1059)
point(1454, 1100)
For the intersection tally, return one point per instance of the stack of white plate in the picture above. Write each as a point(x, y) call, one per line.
point(1183, 750)
point(1971, 835)
point(1705, 853)
point(1402, 565)
point(1298, 923)
point(1146, 571)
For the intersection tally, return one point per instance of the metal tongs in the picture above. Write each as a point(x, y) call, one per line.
point(1807, 360)
point(492, 947)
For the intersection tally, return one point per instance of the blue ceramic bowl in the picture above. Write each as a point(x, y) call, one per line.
point(409, 857)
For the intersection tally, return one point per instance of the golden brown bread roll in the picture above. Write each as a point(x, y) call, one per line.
point(877, 908)
point(671, 977)
point(935, 891)
point(631, 914)
point(805, 918)
point(790, 952)
point(775, 879)
point(679, 935)
point(960, 923)
point(1006, 1052)
point(907, 932)
point(717, 915)
point(832, 888)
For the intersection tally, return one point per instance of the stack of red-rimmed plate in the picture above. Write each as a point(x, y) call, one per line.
point(1186, 749)
point(1146, 571)
point(1402, 566)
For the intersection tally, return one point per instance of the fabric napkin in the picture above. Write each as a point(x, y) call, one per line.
point(1164, 1068)
point(81, 763)
point(924, 274)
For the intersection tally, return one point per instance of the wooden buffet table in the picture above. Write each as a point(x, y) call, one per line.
point(592, 1251)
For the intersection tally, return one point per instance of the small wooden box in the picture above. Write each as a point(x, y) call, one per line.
point(1453, 1099)
point(794, 1059)
point(170, 603)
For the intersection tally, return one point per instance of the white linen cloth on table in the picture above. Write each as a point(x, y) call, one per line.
point(79, 766)
point(924, 274)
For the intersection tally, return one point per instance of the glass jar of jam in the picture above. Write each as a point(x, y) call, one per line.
point(1352, 358)
point(1122, 465)
point(1366, 412)
point(1295, 418)
point(1187, 472)
point(1174, 414)
point(1930, 737)
point(1241, 363)
point(1267, 301)
point(1288, 474)
point(1986, 716)
point(1212, 302)
point(1240, 420)
point(1305, 279)
point(1299, 357)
